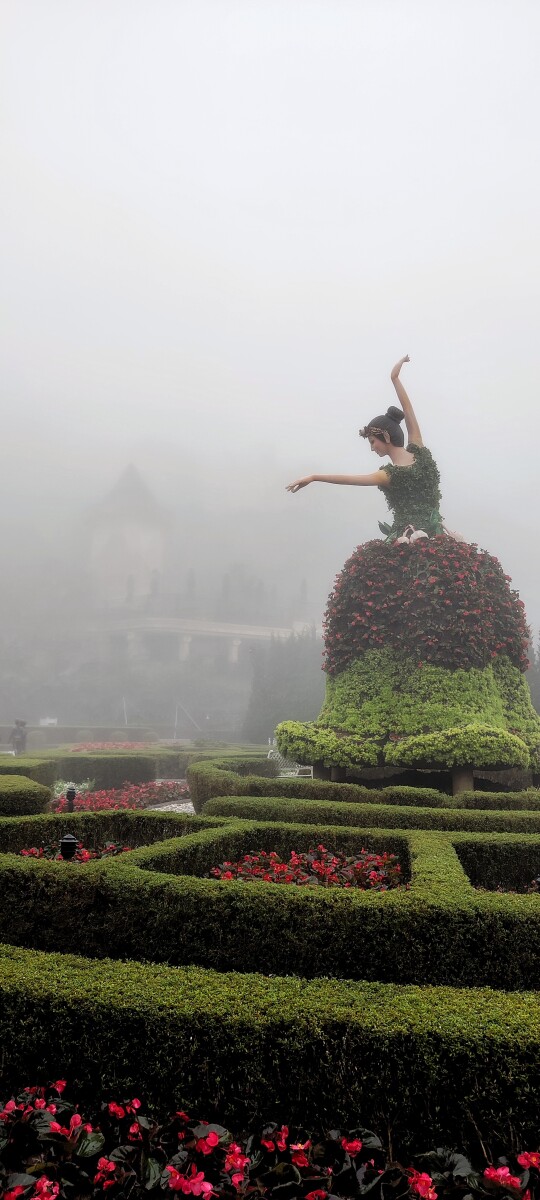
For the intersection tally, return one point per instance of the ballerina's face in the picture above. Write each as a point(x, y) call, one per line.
point(378, 445)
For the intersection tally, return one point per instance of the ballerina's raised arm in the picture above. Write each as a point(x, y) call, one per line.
point(413, 428)
point(385, 438)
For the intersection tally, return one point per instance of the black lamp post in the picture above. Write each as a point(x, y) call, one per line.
point(68, 846)
point(70, 797)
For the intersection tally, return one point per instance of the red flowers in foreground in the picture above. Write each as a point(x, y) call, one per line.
point(131, 795)
point(317, 868)
point(50, 1151)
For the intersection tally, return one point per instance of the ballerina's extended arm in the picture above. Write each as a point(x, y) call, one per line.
point(376, 479)
point(413, 428)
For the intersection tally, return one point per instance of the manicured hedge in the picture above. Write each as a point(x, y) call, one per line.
point(20, 795)
point(108, 770)
point(132, 827)
point(219, 778)
point(111, 769)
point(385, 816)
point(500, 863)
point(232, 1046)
point(151, 905)
point(41, 770)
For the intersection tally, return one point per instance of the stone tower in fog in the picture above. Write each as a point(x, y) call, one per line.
point(128, 541)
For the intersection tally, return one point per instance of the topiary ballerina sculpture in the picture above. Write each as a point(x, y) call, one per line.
point(425, 641)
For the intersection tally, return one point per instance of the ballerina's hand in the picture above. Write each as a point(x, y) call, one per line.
point(395, 370)
point(299, 483)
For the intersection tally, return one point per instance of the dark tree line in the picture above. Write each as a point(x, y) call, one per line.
point(533, 674)
point(287, 684)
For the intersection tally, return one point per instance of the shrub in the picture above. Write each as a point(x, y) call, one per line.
point(41, 770)
point(108, 770)
point(375, 815)
point(309, 742)
point(153, 905)
point(472, 745)
point(426, 1059)
point(20, 796)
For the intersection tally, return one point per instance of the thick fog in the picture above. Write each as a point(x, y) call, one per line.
point(222, 223)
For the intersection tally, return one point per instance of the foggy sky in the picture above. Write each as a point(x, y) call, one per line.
point(221, 224)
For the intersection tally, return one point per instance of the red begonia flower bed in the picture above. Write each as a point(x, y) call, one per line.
point(50, 1150)
point(317, 867)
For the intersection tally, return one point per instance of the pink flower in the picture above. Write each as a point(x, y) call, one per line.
point(235, 1160)
point(298, 1157)
point(46, 1189)
point(502, 1177)
point(421, 1183)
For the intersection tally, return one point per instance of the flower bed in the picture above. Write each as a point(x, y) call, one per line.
point(49, 1149)
point(85, 747)
point(131, 795)
point(81, 855)
point(317, 868)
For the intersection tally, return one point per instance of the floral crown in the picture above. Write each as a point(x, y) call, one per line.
point(368, 430)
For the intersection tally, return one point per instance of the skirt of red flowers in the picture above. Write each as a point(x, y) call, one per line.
point(437, 600)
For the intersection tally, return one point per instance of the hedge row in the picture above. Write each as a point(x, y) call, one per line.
point(20, 795)
point(41, 770)
point(151, 905)
point(131, 827)
point(383, 815)
point(232, 1046)
point(111, 769)
point(219, 777)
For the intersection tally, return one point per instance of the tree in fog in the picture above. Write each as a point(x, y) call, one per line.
point(533, 674)
point(287, 684)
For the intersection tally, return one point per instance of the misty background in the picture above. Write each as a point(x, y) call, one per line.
point(221, 224)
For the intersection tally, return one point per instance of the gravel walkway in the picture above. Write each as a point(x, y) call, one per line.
point(178, 806)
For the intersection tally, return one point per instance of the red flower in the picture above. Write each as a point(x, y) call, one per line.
point(105, 1168)
point(207, 1145)
point(502, 1177)
point(298, 1157)
point(353, 1147)
point(527, 1159)
point(116, 1110)
point(235, 1160)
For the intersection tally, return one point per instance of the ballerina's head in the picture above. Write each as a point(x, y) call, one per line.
point(384, 431)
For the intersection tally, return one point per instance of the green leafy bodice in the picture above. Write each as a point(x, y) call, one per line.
point(413, 494)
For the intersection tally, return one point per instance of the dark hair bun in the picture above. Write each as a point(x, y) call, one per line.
point(394, 413)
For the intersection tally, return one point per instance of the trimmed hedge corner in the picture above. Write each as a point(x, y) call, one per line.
point(20, 796)
point(41, 770)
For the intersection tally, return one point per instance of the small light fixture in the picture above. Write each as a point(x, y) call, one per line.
point(70, 798)
point(68, 846)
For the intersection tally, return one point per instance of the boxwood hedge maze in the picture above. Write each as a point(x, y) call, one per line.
point(413, 1009)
